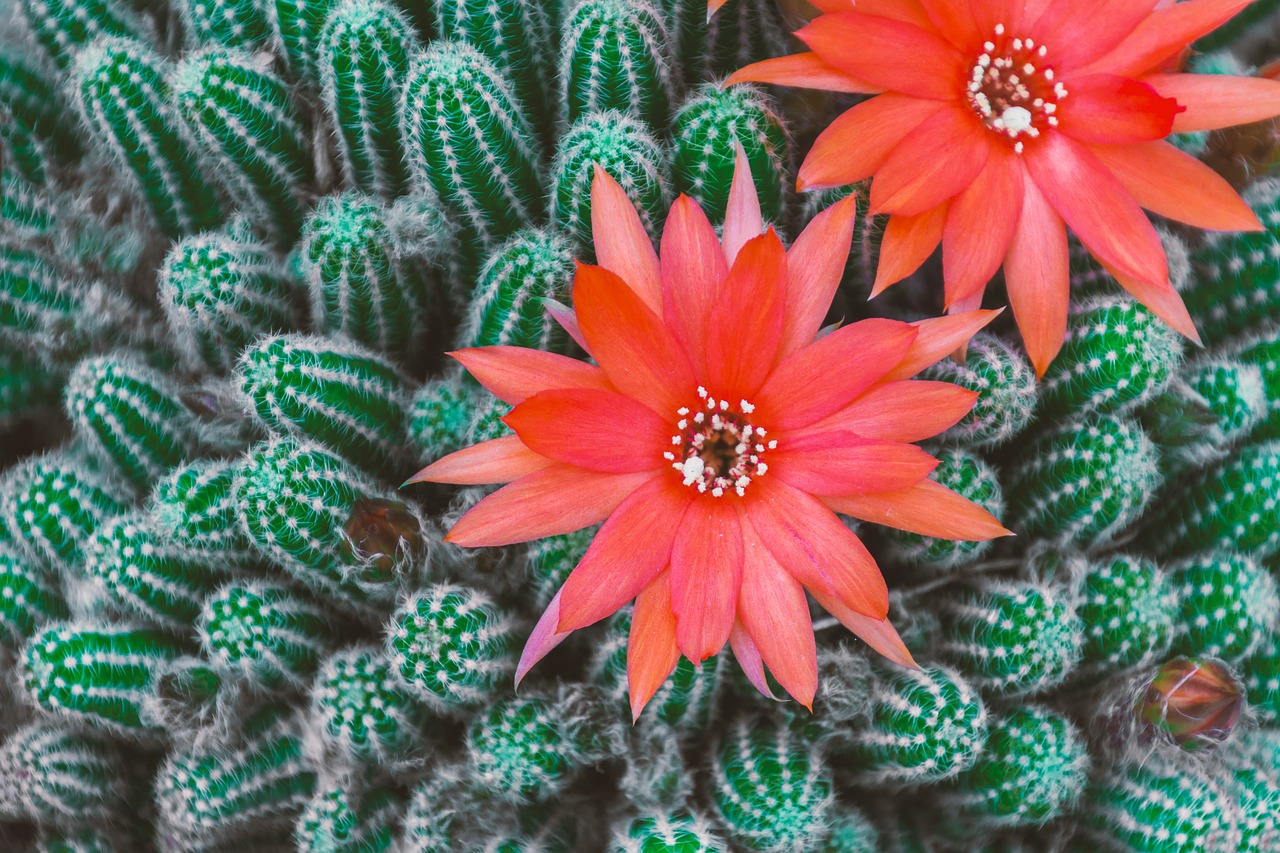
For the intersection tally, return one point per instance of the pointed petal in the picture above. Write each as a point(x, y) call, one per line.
point(805, 388)
point(815, 265)
point(542, 640)
point(513, 374)
point(1096, 207)
point(773, 609)
point(858, 142)
point(907, 243)
point(980, 225)
point(693, 269)
point(713, 6)
point(633, 346)
point(841, 463)
point(1214, 100)
point(1164, 34)
point(498, 461)
point(939, 159)
point(892, 54)
point(1176, 185)
point(876, 633)
point(652, 653)
point(939, 337)
point(632, 547)
point(622, 245)
point(742, 219)
point(750, 660)
point(906, 410)
point(706, 572)
point(1164, 302)
point(1038, 279)
point(804, 71)
point(743, 342)
point(567, 320)
point(815, 547)
point(545, 503)
point(1104, 108)
point(596, 430)
point(1078, 37)
point(927, 508)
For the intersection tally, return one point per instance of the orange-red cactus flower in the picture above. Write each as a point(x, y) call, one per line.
point(1000, 123)
point(717, 440)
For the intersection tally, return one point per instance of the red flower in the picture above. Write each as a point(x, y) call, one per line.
point(717, 439)
point(997, 121)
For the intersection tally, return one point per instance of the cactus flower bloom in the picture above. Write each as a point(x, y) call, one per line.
point(998, 124)
point(717, 439)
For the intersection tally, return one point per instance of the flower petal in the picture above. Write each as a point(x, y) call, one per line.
point(893, 54)
point(927, 508)
point(500, 460)
point(841, 463)
point(750, 660)
point(564, 316)
point(1038, 279)
point(1077, 36)
point(773, 609)
point(1164, 34)
point(632, 547)
point(638, 353)
point(743, 342)
point(815, 546)
point(542, 640)
point(907, 243)
point(1105, 108)
point(1164, 302)
point(1214, 101)
point(935, 162)
point(827, 375)
point(742, 218)
point(555, 500)
point(513, 374)
point(693, 269)
point(815, 265)
point(861, 138)
point(937, 338)
point(955, 22)
point(879, 634)
point(905, 410)
point(652, 653)
point(804, 71)
point(1176, 185)
point(907, 11)
point(622, 245)
point(706, 572)
point(980, 225)
point(597, 430)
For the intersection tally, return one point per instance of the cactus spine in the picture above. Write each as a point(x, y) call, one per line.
point(195, 505)
point(37, 111)
point(1207, 411)
point(678, 832)
point(1128, 609)
point(63, 27)
point(1006, 387)
point(301, 24)
point(269, 635)
point(615, 55)
point(506, 306)
point(1151, 807)
point(1228, 606)
point(338, 820)
point(362, 712)
point(56, 774)
point(520, 751)
point(229, 23)
point(967, 475)
point(29, 598)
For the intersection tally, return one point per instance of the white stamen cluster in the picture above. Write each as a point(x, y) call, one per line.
point(1011, 91)
point(717, 450)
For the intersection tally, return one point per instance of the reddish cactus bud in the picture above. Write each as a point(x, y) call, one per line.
point(1194, 703)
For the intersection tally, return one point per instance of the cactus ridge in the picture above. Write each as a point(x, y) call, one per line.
point(229, 23)
point(336, 821)
point(264, 633)
point(519, 751)
point(63, 27)
point(35, 108)
point(661, 832)
point(506, 307)
point(300, 24)
point(1262, 682)
point(42, 308)
point(1212, 406)
point(1128, 609)
point(615, 55)
point(1262, 350)
point(970, 476)
point(1228, 606)
point(195, 504)
point(1158, 807)
point(361, 710)
point(56, 774)
point(30, 598)
point(27, 213)
point(1006, 387)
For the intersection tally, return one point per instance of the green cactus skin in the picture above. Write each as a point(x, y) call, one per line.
point(1262, 682)
point(25, 154)
point(452, 647)
point(1159, 807)
point(195, 504)
point(1005, 384)
point(770, 787)
point(364, 57)
point(300, 24)
point(220, 291)
point(55, 774)
point(1262, 350)
point(521, 751)
point(127, 105)
point(27, 387)
point(678, 832)
point(254, 143)
point(36, 110)
point(362, 712)
point(851, 832)
point(359, 287)
point(432, 823)
point(1206, 412)
point(52, 505)
point(741, 32)
point(1128, 609)
point(229, 23)
point(1256, 790)
point(967, 474)
point(27, 212)
point(922, 726)
point(506, 306)
point(1228, 606)
point(1117, 355)
point(106, 676)
point(265, 634)
point(88, 840)
point(1033, 769)
point(336, 820)
point(615, 55)
point(29, 598)
point(63, 27)
point(212, 797)
point(442, 414)
point(469, 141)
point(707, 132)
point(621, 146)
point(550, 560)
point(1085, 481)
point(131, 417)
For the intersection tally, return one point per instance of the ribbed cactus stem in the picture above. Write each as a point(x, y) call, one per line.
point(1148, 808)
point(30, 598)
point(507, 303)
point(1006, 387)
point(26, 212)
point(195, 504)
point(449, 413)
point(966, 474)
point(339, 819)
point(677, 832)
point(1228, 606)
point(521, 750)
point(63, 27)
point(56, 774)
point(266, 634)
point(300, 24)
point(1206, 412)
point(1128, 609)
point(549, 561)
point(362, 712)
point(229, 23)
point(36, 109)
point(616, 55)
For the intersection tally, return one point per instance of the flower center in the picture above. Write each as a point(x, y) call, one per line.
point(1012, 90)
point(717, 448)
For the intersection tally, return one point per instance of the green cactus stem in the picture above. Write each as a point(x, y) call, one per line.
point(269, 635)
point(1006, 387)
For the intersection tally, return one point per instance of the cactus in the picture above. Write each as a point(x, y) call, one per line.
point(1083, 482)
point(660, 832)
point(221, 290)
point(452, 647)
point(432, 823)
point(770, 787)
point(36, 110)
point(922, 726)
point(131, 417)
point(1005, 384)
point(268, 635)
point(968, 475)
point(361, 711)
point(364, 56)
point(549, 561)
point(522, 750)
point(195, 504)
point(742, 32)
point(445, 414)
point(621, 146)
point(1117, 355)
point(29, 598)
point(1262, 350)
point(340, 395)
point(64, 27)
point(26, 212)
point(253, 141)
point(50, 773)
point(615, 55)
point(707, 132)
point(1128, 609)
point(1206, 412)
point(469, 141)
point(125, 100)
point(851, 832)
point(506, 307)
point(300, 24)
point(106, 676)
point(337, 820)
point(1033, 770)
point(1228, 606)
point(1262, 681)
point(229, 23)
